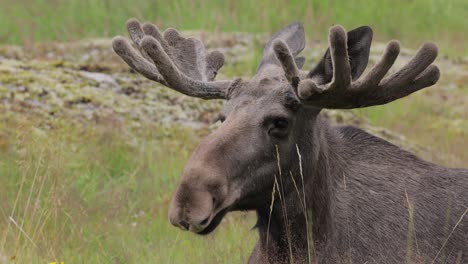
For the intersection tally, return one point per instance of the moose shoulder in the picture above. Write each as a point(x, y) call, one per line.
point(322, 193)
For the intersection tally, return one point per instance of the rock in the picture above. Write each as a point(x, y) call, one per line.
point(85, 82)
point(101, 78)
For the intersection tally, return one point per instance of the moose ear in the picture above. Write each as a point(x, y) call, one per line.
point(359, 42)
point(293, 36)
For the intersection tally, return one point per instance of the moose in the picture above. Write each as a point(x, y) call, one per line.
point(322, 193)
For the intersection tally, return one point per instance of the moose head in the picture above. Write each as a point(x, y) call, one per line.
point(272, 138)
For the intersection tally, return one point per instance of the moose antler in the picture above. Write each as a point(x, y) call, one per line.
point(372, 89)
point(172, 60)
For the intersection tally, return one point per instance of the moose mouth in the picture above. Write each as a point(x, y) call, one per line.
point(214, 222)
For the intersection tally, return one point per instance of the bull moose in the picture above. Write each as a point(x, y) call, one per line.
point(322, 193)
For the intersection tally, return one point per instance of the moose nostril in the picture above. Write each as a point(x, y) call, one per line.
point(184, 225)
point(205, 221)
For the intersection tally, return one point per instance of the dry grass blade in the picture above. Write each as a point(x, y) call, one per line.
point(273, 192)
point(308, 230)
point(446, 240)
point(283, 205)
point(22, 231)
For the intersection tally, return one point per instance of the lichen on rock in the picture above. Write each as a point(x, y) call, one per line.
point(85, 82)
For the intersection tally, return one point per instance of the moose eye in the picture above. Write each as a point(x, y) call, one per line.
point(278, 127)
point(280, 123)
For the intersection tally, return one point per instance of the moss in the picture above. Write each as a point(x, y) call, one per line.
point(56, 91)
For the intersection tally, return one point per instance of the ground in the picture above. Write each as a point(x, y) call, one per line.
point(91, 152)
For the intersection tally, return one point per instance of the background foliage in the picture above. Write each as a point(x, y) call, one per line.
point(87, 193)
point(27, 21)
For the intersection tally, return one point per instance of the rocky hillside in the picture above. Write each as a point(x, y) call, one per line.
point(86, 83)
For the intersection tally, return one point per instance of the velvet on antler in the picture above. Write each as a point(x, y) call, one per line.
point(179, 63)
point(372, 89)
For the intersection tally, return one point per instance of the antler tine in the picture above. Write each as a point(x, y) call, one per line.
point(135, 31)
point(284, 55)
point(136, 61)
point(290, 65)
point(427, 78)
point(340, 60)
point(423, 58)
point(372, 89)
point(151, 30)
point(341, 66)
point(172, 60)
point(214, 60)
point(381, 68)
point(177, 79)
point(418, 73)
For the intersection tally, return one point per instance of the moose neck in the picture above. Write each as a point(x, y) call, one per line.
point(287, 229)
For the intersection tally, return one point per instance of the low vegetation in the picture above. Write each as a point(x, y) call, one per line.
point(88, 178)
point(87, 194)
point(26, 21)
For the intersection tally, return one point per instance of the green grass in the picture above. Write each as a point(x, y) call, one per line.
point(99, 195)
point(429, 120)
point(90, 195)
point(27, 21)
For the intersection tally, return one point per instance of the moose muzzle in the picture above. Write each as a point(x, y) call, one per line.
point(192, 208)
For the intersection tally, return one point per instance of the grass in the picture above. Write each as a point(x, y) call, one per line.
point(27, 21)
point(89, 195)
point(100, 194)
point(427, 120)
point(95, 194)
